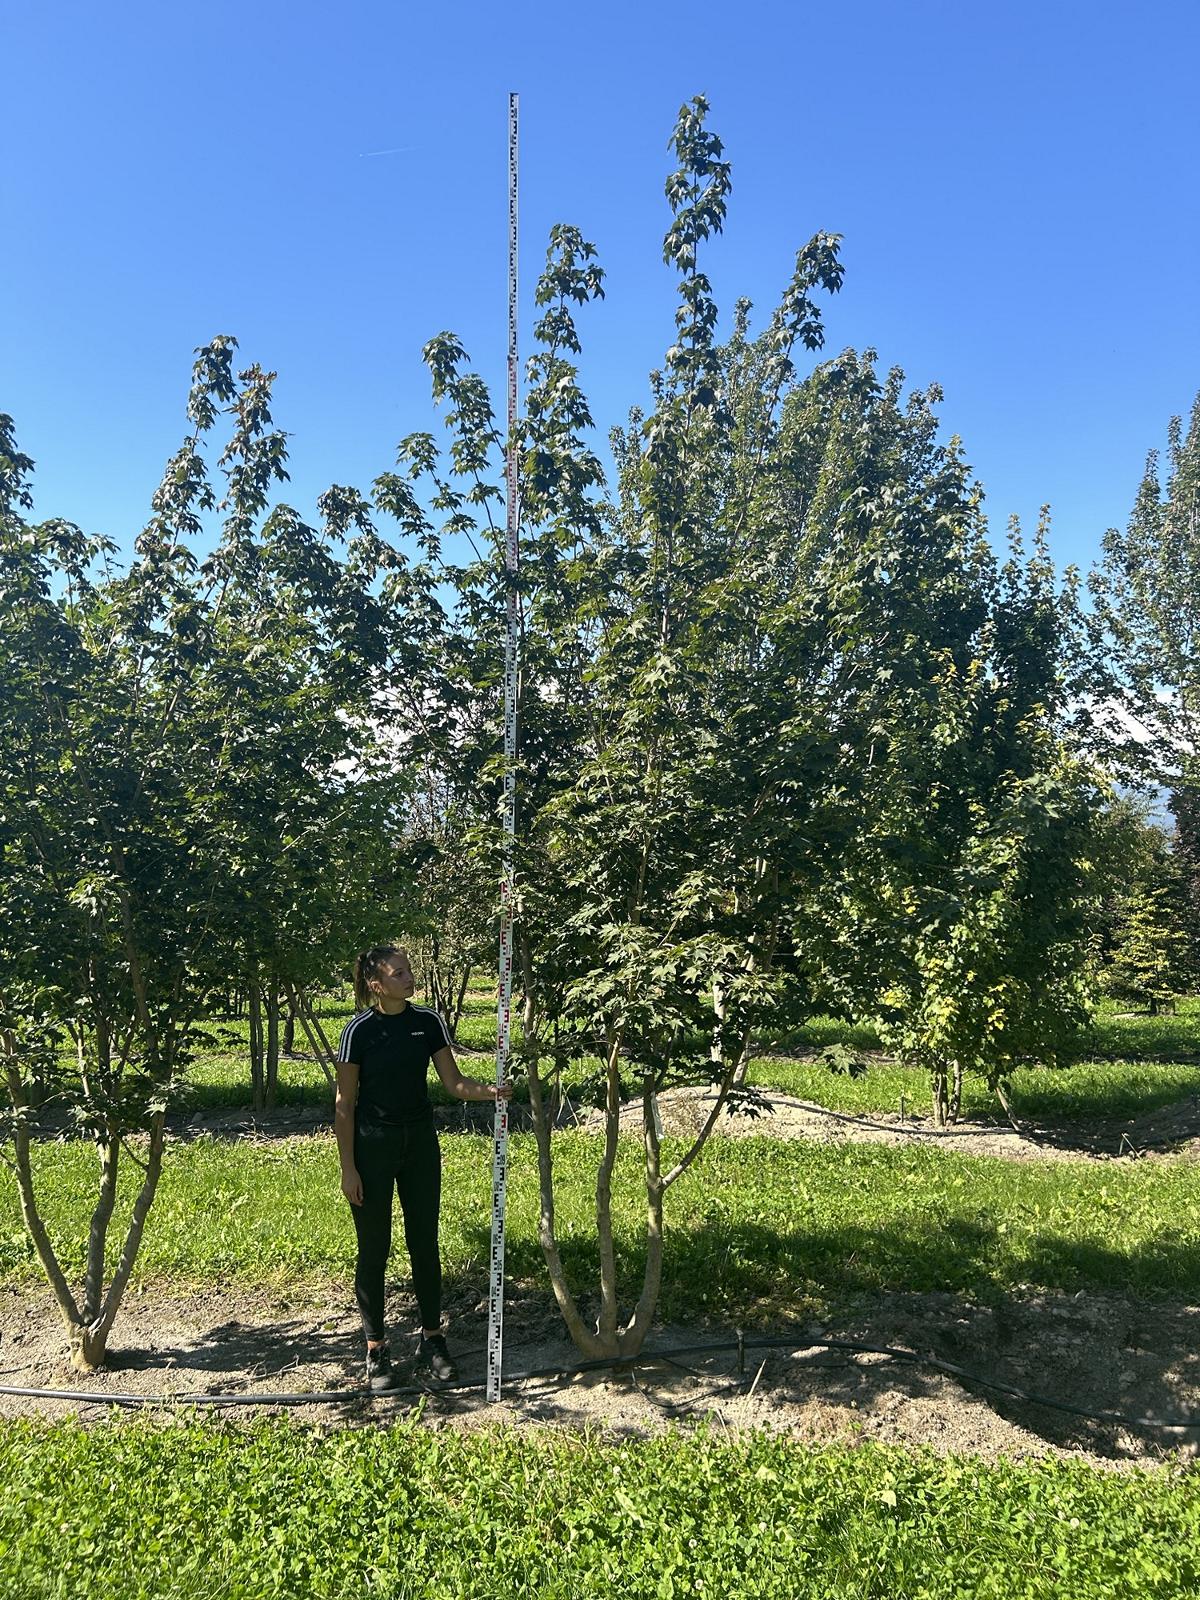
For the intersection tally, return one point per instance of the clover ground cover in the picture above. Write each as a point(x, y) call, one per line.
point(209, 1511)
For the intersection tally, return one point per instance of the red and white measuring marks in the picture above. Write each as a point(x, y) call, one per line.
point(495, 1346)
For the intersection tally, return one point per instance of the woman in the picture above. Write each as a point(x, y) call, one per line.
point(386, 1140)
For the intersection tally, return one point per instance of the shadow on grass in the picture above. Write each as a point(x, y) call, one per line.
point(753, 1275)
point(225, 1120)
point(1138, 1036)
point(959, 1292)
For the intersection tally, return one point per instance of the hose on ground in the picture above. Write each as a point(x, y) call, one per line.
point(644, 1358)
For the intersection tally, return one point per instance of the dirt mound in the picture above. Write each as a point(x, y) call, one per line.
point(1101, 1353)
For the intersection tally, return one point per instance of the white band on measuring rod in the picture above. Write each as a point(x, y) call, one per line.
point(504, 1001)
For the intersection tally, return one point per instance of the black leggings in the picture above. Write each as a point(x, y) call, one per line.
point(409, 1160)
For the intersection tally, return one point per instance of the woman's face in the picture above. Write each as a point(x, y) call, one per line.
point(393, 978)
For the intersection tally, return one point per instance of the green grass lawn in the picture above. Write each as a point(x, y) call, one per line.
point(1089, 1089)
point(759, 1229)
point(216, 1511)
point(1174, 1036)
point(1116, 1033)
point(1134, 1065)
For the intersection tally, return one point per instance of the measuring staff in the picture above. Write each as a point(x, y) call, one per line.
point(387, 1141)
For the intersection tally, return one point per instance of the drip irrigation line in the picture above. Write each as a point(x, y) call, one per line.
point(643, 1358)
point(950, 1367)
point(1028, 1131)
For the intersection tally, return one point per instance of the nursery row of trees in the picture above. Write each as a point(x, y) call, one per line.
point(792, 738)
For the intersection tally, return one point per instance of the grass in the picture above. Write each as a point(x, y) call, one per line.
point(759, 1230)
point(1144, 1063)
point(219, 1077)
point(1117, 1033)
point(1137, 1036)
point(213, 1511)
point(1152, 1062)
point(1087, 1090)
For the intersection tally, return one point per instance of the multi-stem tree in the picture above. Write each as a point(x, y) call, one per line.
point(177, 790)
point(107, 903)
point(686, 647)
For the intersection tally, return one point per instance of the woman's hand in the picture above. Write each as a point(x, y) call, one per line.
point(352, 1186)
point(466, 1088)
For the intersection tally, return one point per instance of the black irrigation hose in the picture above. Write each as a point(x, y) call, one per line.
point(342, 1396)
point(984, 1383)
point(911, 1133)
point(1028, 1131)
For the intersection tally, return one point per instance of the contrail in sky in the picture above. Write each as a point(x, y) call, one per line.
point(398, 151)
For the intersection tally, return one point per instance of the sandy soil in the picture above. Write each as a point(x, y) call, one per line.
point(1099, 1352)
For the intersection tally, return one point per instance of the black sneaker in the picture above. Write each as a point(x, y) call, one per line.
point(380, 1375)
point(433, 1356)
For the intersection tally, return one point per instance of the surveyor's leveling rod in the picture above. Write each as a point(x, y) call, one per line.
point(504, 1003)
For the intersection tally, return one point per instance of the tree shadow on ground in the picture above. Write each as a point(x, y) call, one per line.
point(747, 1271)
point(1100, 1351)
point(1075, 1321)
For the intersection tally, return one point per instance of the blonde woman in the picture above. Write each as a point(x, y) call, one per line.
point(387, 1142)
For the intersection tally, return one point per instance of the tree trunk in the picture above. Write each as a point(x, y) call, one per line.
point(434, 977)
point(88, 1347)
point(289, 1025)
point(633, 1335)
point(453, 1022)
point(583, 1339)
point(940, 1097)
point(36, 1088)
point(89, 1339)
point(556, 1094)
point(272, 1051)
point(30, 1214)
point(956, 1093)
point(257, 1085)
point(607, 1328)
point(1006, 1105)
point(93, 1288)
point(319, 1044)
point(735, 1072)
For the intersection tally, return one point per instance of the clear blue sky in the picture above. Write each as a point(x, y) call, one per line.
point(1016, 184)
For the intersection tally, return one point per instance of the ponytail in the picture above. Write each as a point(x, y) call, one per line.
point(366, 965)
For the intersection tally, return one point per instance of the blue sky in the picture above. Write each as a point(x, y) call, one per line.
point(1015, 184)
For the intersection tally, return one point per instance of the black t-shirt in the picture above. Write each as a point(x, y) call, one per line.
point(392, 1054)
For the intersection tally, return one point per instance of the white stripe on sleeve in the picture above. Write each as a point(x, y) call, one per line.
point(348, 1032)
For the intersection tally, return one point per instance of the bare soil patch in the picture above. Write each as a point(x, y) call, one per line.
point(1102, 1353)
